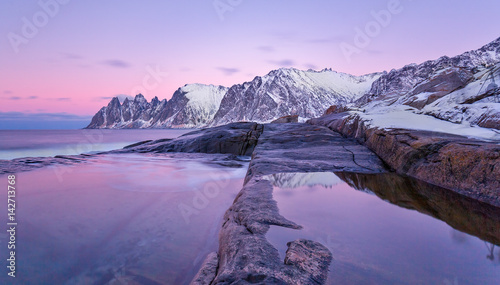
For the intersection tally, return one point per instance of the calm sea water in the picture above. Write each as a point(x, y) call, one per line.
point(152, 219)
point(386, 231)
point(33, 143)
point(127, 219)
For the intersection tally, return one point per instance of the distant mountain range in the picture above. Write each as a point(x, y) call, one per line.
point(446, 88)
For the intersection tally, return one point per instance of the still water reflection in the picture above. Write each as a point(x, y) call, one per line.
point(134, 219)
point(387, 229)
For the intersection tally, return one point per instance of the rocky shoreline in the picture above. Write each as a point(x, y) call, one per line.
point(468, 166)
point(468, 172)
point(245, 256)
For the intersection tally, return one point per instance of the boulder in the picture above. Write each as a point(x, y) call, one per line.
point(287, 119)
point(235, 138)
point(334, 109)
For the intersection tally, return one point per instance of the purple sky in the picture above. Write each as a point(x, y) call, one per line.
point(81, 53)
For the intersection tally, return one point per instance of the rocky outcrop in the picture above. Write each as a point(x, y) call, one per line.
point(470, 167)
point(287, 119)
point(236, 138)
point(334, 109)
point(30, 163)
point(245, 255)
point(207, 272)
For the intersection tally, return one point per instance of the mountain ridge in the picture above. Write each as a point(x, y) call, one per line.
point(290, 91)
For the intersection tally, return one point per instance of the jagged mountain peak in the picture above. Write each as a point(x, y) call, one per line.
point(290, 91)
point(308, 93)
point(399, 82)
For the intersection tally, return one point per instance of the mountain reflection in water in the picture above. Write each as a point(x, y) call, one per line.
point(373, 241)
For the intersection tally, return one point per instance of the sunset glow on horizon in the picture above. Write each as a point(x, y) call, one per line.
point(72, 57)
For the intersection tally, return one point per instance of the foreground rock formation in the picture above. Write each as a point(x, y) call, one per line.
point(244, 251)
point(244, 254)
point(467, 166)
point(236, 138)
point(333, 143)
point(30, 163)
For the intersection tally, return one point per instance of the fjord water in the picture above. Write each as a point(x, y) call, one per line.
point(34, 143)
point(123, 218)
point(387, 229)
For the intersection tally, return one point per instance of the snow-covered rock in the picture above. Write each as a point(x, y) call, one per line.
point(192, 105)
point(458, 90)
point(291, 92)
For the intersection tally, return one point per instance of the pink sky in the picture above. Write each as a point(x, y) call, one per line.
point(89, 51)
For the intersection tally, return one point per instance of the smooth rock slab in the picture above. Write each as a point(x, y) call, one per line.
point(467, 166)
point(235, 138)
point(245, 255)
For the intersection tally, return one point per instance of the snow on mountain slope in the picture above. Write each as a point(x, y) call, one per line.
point(192, 105)
point(448, 88)
point(474, 104)
point(290, 92)
point(458, 90)
point(400, 82)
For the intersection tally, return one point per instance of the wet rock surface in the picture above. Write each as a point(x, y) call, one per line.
point(245, 255)
point(298, 254)
point(235, 138)
point(467, 166)
point(305, 148)
point(30, 163)
point(207, 271)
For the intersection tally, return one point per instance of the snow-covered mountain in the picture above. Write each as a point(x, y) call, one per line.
point(459, 89)
point(281, 92)
point(192, 105)
point(290, 92)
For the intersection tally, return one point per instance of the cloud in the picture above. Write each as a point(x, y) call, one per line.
point(62, 99)
point(116, 63)
point(25, 121)
point(310, 66)
point(16, 98)
point(7, 92)
point(266, 48)
point(283, 63)
point(228, 71)
point(19, 116)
